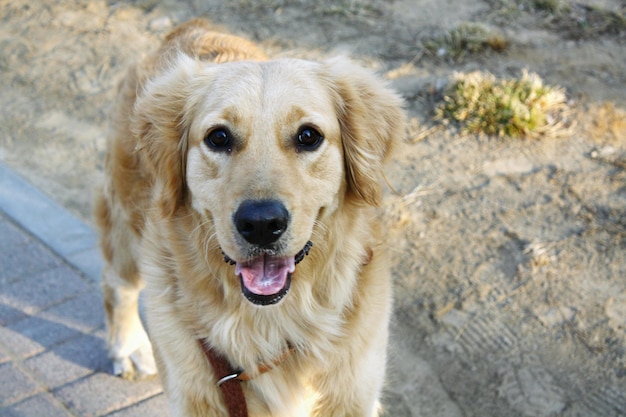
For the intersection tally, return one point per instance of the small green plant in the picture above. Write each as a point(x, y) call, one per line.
point(550, 6)
point(507, 108)
point(468, 38)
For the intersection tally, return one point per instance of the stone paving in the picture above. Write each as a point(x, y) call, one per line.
point(53, 359)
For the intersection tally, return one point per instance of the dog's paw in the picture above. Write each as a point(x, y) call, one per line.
point(139, 365)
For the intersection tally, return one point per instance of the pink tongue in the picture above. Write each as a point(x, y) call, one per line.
point(265, 275)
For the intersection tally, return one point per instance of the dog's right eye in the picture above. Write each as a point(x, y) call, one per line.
point(219, 139)
point(308, 139)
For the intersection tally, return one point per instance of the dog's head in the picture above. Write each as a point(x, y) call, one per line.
point(265, 152)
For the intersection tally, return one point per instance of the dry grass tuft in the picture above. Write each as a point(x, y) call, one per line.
point(466, 39)
point(580, 21)
point(523, 107)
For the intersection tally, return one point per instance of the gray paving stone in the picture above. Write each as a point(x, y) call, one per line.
point(14, 385)
point(101, 394)
point(17, 344)
point(10, 236)
point(69, 362)
point(85, 312)
point(10, 314)
point(23, 260)
point(153, 407)
point(44, 332)
point(36, 292)
point(41, 405)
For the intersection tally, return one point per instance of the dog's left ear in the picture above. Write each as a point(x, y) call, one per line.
point(371, 119)
point(160, 127)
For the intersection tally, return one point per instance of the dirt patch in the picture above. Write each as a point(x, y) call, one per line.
point(510, 254)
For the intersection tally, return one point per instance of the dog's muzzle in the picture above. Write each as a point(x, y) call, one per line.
point(266, 279)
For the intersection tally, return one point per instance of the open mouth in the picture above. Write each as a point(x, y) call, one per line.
point(266, 279)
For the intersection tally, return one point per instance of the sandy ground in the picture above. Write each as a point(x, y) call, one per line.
point(510, 254)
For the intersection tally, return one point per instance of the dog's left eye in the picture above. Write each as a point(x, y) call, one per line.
point(308, 139)
point(219, 139)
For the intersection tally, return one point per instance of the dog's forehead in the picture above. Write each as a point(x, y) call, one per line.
point(278, 95)
point(280, 85)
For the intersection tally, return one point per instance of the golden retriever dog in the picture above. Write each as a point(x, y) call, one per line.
point(242, 191)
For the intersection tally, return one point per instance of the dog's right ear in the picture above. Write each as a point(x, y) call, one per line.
point(160, 125)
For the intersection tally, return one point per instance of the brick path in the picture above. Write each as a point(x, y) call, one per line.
point(52, 352)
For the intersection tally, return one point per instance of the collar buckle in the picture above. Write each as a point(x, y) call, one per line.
point(229, 377)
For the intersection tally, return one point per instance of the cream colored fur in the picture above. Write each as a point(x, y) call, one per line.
point(166, 213)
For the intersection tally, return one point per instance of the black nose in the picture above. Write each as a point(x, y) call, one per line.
point(261, 222)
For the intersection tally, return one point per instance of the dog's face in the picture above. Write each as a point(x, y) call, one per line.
point(264, 161)
point(264, 152)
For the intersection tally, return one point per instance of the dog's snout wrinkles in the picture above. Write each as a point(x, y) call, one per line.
point(261, 222)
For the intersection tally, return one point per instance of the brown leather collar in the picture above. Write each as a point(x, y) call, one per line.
point(229, 379)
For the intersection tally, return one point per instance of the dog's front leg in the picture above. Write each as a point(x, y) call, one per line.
point(127, 341)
